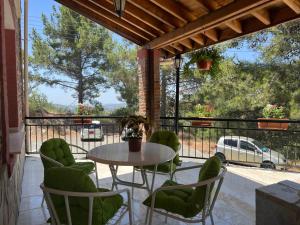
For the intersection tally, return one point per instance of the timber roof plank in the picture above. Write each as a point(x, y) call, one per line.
point(180, 26)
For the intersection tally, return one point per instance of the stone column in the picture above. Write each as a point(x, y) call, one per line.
point(149, 85)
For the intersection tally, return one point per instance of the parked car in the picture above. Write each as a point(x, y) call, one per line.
point(247, 150)
point(92, 132)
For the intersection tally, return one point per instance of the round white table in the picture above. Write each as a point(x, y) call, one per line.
point(118, 154)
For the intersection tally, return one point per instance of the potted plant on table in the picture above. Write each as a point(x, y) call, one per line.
point(207, 61)
point(202, 111)
point(134, 127)
point(271, 112)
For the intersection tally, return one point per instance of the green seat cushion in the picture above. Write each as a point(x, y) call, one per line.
point(187, 202)
point(70, 179)
point(164, 167)
point(211, 168)
point(175, 201)
point(58, 150)
point(168, 138)
point(86, 167)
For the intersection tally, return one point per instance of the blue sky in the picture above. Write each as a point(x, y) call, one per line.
point(60, 96)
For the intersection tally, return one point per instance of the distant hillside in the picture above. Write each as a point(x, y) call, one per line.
point(112, 107)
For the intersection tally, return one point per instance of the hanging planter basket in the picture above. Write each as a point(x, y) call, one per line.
point(272, 125)
point(205, 64)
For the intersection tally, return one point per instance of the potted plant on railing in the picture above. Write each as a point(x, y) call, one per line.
point(202, 111)
point(134, 127)
point(207, 61)
point(271, 112)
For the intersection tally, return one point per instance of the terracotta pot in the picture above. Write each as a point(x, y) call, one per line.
point(204, 64)
point(134, 144)
point(82, 120)
point(201, 123)
point(272, 125)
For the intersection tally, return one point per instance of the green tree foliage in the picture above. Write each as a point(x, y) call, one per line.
point(243, 89)
point(123, 75)
point(71, 53)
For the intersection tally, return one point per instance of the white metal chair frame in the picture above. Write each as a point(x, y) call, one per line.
point(210, 198)
point(61, 165)
point(66, 194)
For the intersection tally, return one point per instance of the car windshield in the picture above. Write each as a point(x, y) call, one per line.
point(261, 146)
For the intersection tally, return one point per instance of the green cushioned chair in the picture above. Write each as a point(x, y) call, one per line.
point(73, 199)
point(168, 138)
point(192, 202)
point(56, 152)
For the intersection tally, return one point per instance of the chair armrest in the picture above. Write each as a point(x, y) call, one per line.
point(76, 146)
point(51, 160)
point(84, 194)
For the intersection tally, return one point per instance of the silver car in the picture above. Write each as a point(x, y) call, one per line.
point(248, 150)
point(92, 132)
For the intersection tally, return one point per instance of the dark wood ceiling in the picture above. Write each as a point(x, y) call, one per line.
point(179, 26)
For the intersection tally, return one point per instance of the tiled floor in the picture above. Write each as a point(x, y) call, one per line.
point(235, 205)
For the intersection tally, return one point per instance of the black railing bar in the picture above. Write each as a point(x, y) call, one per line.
point(74, 117)
point(168, 118)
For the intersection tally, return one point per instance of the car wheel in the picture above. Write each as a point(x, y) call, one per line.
point(221, 156)
point(268, 165)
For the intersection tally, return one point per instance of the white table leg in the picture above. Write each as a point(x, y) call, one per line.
point(153, 178)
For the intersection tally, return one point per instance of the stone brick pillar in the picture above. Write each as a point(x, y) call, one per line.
point(149, 85)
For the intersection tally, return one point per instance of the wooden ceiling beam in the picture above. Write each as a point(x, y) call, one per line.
point(170, 49)
point(251, 25)
point(91, 14)
point(187, 43)
point(177, 46)
point(235, 25)
point(211, 34)
point(263, 16)
point(175, 9)
point(113, 18)
point(212, 20)
point(198, 39)
point(293, 4)
point(153, 10)
point(144, 17)
point(128, 18)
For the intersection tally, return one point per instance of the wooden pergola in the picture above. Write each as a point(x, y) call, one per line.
point(179, 26)
point(167, 28)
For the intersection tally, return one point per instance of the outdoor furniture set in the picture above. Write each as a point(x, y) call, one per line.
point(73, 198)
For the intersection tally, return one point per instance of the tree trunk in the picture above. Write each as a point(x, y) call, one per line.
point(80, 91)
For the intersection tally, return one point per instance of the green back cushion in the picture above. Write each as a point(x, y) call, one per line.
point(168, 138)
point(186, 202)
point(67, 179)
point(211, 168)
point(57, 149)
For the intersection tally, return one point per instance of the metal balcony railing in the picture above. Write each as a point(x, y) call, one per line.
point(233, 140)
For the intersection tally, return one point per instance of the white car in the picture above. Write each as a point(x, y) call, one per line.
point(248, 150)
point(92, 132)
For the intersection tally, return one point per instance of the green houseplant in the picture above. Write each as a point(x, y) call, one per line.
point(207, 61)
point(201, 111)
point(134, 127)
point(271, 112)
